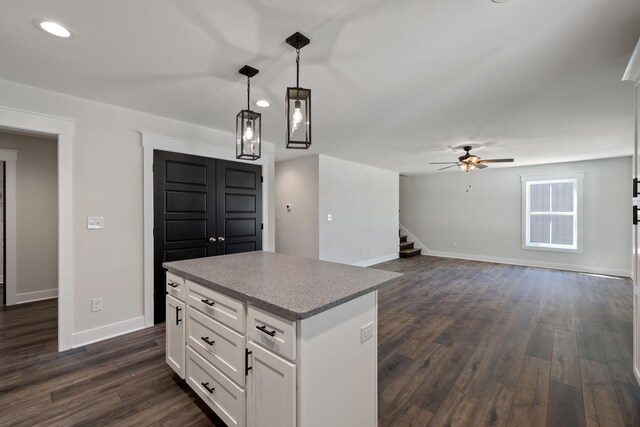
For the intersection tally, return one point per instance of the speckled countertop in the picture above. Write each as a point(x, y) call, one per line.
point(291, 286)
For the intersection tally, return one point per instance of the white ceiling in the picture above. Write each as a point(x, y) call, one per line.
point(395, 84)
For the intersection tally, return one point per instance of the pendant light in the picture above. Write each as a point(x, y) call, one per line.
point(248, 125)
point(298, 103)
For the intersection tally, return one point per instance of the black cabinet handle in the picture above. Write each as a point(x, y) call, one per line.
point(178, 319)
point(206, 385)
point(209, 303)
point(266, 331)
point(173, 285)
point(206, 339)
point(635, 215)
point(635, 187)
point(247, 368)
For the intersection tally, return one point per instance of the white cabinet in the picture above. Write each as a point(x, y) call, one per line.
point(258, 369)
point(175, 335)
point(271, 390)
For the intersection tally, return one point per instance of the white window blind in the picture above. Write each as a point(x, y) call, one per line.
point(551, 213)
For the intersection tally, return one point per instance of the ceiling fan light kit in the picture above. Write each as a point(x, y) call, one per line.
point(298, 103)
point(248, 125)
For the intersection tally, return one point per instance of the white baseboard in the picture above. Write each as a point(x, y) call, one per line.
point(377, 260)
point(36, 296)
point(412, 238)
point(530, 263)
point(90, 336)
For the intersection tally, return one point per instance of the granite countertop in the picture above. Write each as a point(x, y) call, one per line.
point(291, 286)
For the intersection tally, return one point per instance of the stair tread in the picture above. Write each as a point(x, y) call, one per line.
point(406, 243)
point(408, 251)
point(402, 236)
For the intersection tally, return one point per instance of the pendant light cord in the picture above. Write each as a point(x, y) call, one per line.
point(248, 92)
point(297, 67)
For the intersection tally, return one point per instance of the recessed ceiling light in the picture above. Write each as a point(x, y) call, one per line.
point(54, 28)
point(263, 103)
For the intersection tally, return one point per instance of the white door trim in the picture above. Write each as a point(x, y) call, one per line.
point(10, 157)
point(64, 129)
point(152, 142)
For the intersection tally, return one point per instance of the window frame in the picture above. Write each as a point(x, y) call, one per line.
point(527, 180)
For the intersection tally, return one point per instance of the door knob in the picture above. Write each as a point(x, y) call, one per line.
point(220, 239)
point(212, 239)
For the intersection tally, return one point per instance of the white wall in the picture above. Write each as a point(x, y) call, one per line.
point(108, 181)
point(363, 201)
point(486, 222)
point(297, 228)
point(37, 215)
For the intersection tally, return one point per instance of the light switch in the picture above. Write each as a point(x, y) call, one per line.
point(95, 222)
point(329, 217)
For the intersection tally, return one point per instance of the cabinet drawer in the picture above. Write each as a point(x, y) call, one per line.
point(175, 286)
point(218, 392)
point(219, 345)
point(226, 310)
point(272, 332)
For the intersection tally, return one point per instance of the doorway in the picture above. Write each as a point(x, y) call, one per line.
point(28, 217)
point(202, 207)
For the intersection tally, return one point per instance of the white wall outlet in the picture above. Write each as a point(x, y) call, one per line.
point(288, 207)
point(366, 332)
point(329, 217)
point(96, 304)
point(454, 244)
point(95, 222)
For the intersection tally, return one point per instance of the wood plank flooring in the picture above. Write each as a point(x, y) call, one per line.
point(470, 343)
point(460, 343)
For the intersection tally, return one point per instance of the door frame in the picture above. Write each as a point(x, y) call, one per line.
point(151, 142)
point(64, 130)
point(10, 277)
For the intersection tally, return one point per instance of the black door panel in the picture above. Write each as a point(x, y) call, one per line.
point(195, 199)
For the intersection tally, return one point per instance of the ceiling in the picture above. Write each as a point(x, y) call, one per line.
point(395, 84)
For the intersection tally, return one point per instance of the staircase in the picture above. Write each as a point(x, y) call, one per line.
point(406, 248)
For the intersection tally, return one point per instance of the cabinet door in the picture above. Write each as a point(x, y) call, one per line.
point(271, 390)
point(636, 249)
point(175, 335)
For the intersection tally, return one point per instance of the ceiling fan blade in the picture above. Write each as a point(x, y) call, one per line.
point(496, 161)
point(447, 167)
point(443, 163)
point(480, 166)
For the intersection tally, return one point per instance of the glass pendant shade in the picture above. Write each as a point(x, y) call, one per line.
point(248, 135)
point(298, 110)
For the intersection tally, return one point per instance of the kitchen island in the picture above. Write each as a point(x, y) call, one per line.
point(276, 340)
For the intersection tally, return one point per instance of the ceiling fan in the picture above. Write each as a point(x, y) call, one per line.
point(469, 162)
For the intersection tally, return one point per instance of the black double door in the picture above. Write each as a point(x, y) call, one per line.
point(202, 207)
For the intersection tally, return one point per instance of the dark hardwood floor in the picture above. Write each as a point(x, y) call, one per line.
point(460, 343)
point(470, 343)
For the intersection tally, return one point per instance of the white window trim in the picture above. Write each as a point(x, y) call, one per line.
point(578, 177)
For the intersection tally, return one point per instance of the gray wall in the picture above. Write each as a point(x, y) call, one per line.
point(37, 211)
point(363, 201)
point(486, 222)
point(296, 183)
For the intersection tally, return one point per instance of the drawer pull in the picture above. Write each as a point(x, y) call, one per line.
point(173, 284)
point(206, 339)
point(206, 386)
point(178, 319)
point(266, 331)
point(208, 302)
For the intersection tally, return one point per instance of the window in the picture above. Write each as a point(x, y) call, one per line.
point(552, 213)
